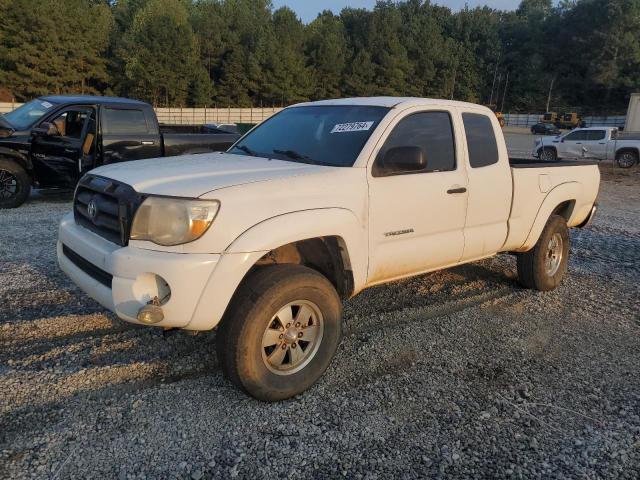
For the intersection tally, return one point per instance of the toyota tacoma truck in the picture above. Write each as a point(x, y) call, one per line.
point(595, 143)
point(310, 207)
point(50, 142)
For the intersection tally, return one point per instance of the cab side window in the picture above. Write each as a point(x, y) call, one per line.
point(596, 134)
point(124, 122)
point(430, 133)
point(481, 140)
point(71, 123)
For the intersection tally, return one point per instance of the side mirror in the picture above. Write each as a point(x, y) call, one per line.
point(401, 160)
point(45, 129)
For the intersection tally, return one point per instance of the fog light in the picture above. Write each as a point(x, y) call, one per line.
point(150, 314)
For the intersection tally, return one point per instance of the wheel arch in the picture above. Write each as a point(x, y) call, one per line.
point(19, 158)
point(331, 241)
point(635, 150)
point(561, 200)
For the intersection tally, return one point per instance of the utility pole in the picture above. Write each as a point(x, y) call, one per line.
point(504, 94)
point(553, 79)
point(495, 74)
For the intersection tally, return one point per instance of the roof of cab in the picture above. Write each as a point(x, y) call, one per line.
point(389, 102)
point(93, 99)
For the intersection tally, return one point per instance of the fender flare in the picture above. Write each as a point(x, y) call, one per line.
point(291, 227)
point(21, 159)
point(251, 245)
point(561, 193)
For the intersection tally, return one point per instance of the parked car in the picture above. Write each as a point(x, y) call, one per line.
point(317, 203)
point(545, 129)
point(595, 143)
point(52, 141)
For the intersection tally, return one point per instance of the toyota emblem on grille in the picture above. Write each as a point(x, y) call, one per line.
point(92, 209)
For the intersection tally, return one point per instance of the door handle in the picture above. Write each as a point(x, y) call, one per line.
point(456, 190)
point(578, 143)
point(147, 142)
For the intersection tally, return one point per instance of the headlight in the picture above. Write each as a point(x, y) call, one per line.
point(173, 221)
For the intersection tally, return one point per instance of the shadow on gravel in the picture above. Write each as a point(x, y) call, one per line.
point(50, 196)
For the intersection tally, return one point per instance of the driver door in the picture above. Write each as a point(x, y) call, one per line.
point(57, 157)
point(417, 218)
point(573, 143)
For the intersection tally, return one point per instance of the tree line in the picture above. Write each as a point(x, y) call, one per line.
point(577, 54)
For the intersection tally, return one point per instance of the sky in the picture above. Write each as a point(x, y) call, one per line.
point(307, 10)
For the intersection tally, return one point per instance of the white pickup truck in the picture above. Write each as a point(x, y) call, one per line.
point(310, 207)
point(596, 143)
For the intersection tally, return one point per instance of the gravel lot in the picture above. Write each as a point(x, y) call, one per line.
point(453, 374)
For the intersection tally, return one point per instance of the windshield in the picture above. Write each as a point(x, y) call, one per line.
point(322, 135)
point(29, 113)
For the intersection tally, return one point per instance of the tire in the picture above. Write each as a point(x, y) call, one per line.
point(627, 159)
point(258, 315)
point(536, 269)
point(15, 184)
point(548, 154)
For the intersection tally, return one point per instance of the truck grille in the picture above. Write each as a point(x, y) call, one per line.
point(106, 207)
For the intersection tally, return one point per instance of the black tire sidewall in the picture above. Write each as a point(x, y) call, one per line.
point(23, 184)
point(551, 152)
point(544, 282)
point(634, 162)
point(301, 284)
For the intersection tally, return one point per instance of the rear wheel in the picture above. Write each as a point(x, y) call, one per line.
point(15, 184)
point(281, 331)
point(548, 154)
point(545, 265)
point(626, 159)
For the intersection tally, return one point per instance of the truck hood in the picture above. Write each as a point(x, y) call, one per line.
point(195, 175)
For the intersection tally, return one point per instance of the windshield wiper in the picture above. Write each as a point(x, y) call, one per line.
point(292, 154)
point(247, 150)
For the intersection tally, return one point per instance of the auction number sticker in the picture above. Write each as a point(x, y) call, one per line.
point(351, 127)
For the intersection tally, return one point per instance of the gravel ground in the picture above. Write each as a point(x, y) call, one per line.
point(453, 374)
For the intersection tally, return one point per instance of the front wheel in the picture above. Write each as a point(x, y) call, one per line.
point(281, 331)
point(548, 154)
point(626, 159)
point(15, 184)
point(545, 265)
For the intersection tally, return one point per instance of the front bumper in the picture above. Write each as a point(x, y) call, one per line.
point(198, 297)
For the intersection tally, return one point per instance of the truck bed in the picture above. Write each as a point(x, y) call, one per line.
point(537, 183)
point(188, 143)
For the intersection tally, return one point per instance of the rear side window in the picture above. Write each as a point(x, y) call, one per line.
point(432, 132)
point(124, 122)
point(595, 134)
point(481, 140)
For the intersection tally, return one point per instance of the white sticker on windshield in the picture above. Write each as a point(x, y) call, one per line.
point(46, 104)
point(351, 127)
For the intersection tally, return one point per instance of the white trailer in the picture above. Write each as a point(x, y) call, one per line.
point(632, 122)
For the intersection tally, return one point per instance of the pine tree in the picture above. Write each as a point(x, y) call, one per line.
point(162, 56)
point(53, 47)
point(326, 50)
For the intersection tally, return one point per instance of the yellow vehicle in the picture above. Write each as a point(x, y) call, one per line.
point(550, 117)
point(569, 120)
